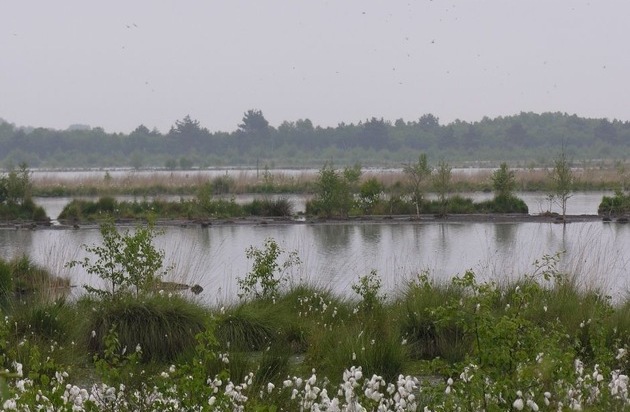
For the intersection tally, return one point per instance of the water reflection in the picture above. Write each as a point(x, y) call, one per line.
point(370, 233)
point(504, 234)
point(333, 238)
point(335, 255)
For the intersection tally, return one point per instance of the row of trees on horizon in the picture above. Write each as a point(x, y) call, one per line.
point(527, 137)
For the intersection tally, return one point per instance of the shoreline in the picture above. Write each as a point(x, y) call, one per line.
point(379, 219)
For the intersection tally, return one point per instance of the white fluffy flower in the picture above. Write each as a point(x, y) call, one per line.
point(532, 405)
point(518, 404)
point(18, 368)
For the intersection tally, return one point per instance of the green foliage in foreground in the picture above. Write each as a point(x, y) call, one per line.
point(538, 343)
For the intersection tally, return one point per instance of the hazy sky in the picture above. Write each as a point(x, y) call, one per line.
point(118, 64)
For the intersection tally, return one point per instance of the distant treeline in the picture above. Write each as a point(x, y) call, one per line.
point(526, 139)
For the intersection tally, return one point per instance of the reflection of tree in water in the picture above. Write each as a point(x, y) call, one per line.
point(446, 233)
point(504, 234)
point(333, 237)
point(419, 237)
point(371, 233)
point(204, 237)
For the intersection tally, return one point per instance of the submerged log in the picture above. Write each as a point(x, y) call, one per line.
point(174, 286)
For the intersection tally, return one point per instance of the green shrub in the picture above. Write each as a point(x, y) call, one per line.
point(617, 205)
point(128, 263)
point(267, 275)
point(106, 204)
point(454, 205)
point(281, 207)
point(370, 193)
point(503, 182)
point(502, 204)
point(28, 210)
point(222, 185)
point(396, 205)
point(333, 196)
point(72, 211)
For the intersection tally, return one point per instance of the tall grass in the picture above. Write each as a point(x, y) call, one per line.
point(163, 326)
point(23, 279)
point(427, 336)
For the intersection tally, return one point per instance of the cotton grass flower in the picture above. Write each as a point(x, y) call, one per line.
point(449, 384)
point(532, 405)
point(18, 368)
point(518, 404)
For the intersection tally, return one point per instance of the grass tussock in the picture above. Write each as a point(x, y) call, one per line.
point(163, 327)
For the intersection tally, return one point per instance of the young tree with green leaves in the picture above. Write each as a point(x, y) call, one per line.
point(417, 173)
point(16, 186)
point(562, 180)
point(128, 263)
point(442, 185)
point(267, 274)
point(503, 182)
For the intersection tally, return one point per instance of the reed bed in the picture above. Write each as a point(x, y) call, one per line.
point(154, 183)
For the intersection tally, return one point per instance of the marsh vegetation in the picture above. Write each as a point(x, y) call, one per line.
point(539, 340)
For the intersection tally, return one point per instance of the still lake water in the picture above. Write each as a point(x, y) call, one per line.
point(335, 255)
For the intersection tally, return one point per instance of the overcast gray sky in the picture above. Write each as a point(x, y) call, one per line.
point(118, 64)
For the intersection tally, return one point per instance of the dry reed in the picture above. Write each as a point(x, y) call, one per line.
point(248, 181)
